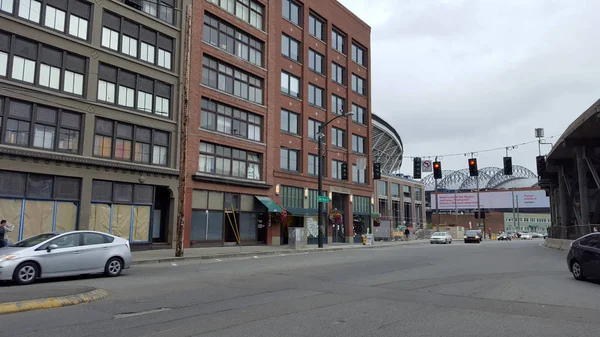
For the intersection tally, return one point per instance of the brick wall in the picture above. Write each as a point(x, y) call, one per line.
point(494, 221)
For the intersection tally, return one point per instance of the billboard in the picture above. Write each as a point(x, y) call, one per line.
point(491, 200)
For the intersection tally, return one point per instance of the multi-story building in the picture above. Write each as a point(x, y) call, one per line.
point(401, 201)
point(253, 148)
point(89, 112)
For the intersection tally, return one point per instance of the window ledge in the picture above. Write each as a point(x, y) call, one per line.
point(299, 99)
point(283, 132)
point(297, 26)
point(318, 73)
point(63, 157)
point(232, 136)
point(317, 107)
point(289, 59)
point(223, 180)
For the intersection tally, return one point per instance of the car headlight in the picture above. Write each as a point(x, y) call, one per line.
point(476, 236)
point(465, 236)
point(8, 257)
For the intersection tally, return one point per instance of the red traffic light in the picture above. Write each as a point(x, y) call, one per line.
point(436, 165)
point(471, 162)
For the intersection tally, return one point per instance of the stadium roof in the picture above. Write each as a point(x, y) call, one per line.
point(387, 146)
point(489, 178)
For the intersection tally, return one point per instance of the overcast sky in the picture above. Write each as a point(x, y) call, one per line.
point(467, 75)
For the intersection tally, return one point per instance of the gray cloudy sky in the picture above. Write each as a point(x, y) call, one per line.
point(467, 75)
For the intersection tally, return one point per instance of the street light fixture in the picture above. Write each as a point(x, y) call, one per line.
point(320, 175)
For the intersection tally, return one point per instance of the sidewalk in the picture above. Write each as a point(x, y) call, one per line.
point(168, 255)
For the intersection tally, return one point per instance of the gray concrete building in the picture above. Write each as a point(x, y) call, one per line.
point(89, 116)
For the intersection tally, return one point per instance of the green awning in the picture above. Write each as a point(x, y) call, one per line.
point(271, 206)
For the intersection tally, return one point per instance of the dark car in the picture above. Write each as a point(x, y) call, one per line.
point(584, 257)
point(472, 236)
point(504, 237)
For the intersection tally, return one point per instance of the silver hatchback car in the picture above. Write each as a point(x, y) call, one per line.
point(64, 254)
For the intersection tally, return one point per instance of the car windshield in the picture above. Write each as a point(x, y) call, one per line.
point(34, 240)
point(472, 233)
point(439, 233)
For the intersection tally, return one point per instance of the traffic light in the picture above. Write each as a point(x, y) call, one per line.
point(417, 168)
point(437, 170)
point(508, 166)
point(344, 171)
point(541, 165)
point(376, 170)
point(473, 172)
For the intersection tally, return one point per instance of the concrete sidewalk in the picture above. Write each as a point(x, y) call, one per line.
point(168, 255)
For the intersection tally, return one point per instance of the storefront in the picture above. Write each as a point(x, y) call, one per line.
point(361, 209)
point(220, 218)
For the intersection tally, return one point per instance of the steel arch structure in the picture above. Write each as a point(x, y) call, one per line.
point(386, 145)
point(489, 178)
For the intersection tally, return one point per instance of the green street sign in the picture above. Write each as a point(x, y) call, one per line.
point(323, 198)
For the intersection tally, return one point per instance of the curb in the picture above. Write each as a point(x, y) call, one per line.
point(278, 252)
point(52, 302)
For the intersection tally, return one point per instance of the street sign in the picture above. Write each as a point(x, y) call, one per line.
point(427, 166)
point(323, 198)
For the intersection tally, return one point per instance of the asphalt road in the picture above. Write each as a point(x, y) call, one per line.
point(491, 289)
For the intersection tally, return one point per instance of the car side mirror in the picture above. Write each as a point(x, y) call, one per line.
point(51, 247)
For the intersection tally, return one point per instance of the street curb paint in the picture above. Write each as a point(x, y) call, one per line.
point(52, 302)
point(278, 252)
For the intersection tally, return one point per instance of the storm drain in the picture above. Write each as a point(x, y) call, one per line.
point(140, 313)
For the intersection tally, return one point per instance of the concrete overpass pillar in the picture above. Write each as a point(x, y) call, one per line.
point(584, 200)
point(563, 202)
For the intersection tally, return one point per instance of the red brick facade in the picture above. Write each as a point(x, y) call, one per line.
point(273, 100)
point(494, 221)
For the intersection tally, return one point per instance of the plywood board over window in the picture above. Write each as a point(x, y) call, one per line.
point(66, 216)
point(38, 219)
point(121, 221)
point(10, 210)
point(141, 223)
point(100, 218)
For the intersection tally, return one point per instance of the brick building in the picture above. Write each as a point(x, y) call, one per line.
point(252, 149)
point(89, 116)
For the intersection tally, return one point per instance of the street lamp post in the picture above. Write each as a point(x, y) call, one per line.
point(320, 176)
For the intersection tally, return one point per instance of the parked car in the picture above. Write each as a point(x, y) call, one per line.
point(537, 235)
point(441, 237)
point(583, 259)
point(64, 254)
point(504, 237)
point(472, 236)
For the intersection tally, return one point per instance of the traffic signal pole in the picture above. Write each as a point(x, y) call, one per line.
point(437, 202)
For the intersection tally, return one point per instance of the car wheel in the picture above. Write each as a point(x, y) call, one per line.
point(26, 273)
point(113, 267)
point(431, 242)
point(577, 271)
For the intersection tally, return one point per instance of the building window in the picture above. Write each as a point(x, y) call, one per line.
point(29, 56)
point(358, 85)
point(289, 122)
point(359, 175)
point(52, 129)
point(338, 105)
point(290, 84)
point(226, 119)
point(226, 161)
point(338, 137)
point(121, 141)
point(315, 61)
point(359, 55)
point(164, 10)
point(395, 190)
point(288, 159)
point(407, 190)
point(129, 84)
point(313, 129)
point(30, 10)
point(249, 11)
point(338, 73)
point(223, 77)
point(66, 16)
point(232, 40)
point(338, 41)
point(6, 6)
point(315, 96)
point(359, 114)
point(382, 188)
point(358, 144)
point(336, 169)
point(136, 40)
point(290, 47)
point(316, 27)
point(291, 12)
point(55, 18)
point(313, 165)
point(418, 194)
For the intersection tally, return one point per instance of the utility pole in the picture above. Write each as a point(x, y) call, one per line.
point(512, 189)
point(184, 136)
point(437, 201)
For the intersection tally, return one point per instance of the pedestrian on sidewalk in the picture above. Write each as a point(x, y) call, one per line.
point(3, 230)
point(406, 233)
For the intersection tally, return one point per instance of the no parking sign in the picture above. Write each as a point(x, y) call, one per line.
point(427, 166)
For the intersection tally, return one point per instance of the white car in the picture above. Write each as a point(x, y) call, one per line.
point(526, 236)
point(441, 237)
